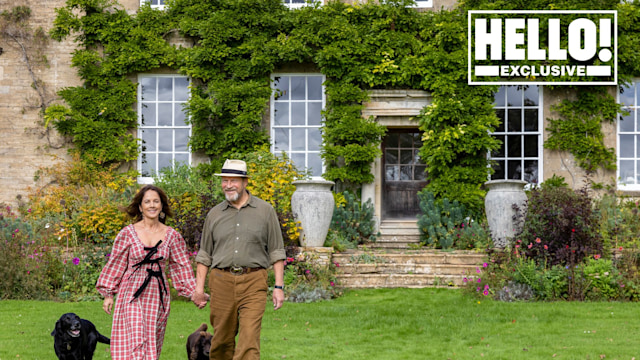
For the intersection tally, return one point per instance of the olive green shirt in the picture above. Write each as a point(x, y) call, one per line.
point(249, 236)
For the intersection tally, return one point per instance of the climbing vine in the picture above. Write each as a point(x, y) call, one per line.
point(230, 48)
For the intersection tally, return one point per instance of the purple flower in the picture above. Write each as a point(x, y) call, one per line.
point(76, 261)
point(485, 265)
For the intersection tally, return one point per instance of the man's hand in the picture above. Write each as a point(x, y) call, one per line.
point(278, 298)
point(200, 298)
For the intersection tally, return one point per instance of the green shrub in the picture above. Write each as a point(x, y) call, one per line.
point(604, 279)
point(439, 221)
point(352, 223)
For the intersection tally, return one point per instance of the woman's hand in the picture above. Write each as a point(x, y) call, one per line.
point(200, 299)
point(107, 305)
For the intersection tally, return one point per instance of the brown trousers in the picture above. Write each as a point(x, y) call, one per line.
point(237, 306)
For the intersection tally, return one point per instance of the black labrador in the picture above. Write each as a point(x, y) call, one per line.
point(199, 344)
point(75, 338)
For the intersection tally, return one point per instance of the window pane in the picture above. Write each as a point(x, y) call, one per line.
point(531, 120)
point(500, 151)
point(531, 171)
point(514, 121)
point(406, 172)
point(514, 170)
point(417, 139)
point(148, 139)
point(638, 146)
point(530, 145)
point(501, 117)
point(180, 116)
point(627, 172)
point(314, 84)
point(165, 89)
point(148, 114)
point(164, 161)
point(498, 168)
point(627, 148)
point(148, 85)
point(299, 160)
point(499, 97)
point(165, 140)
point(626, 121)
point(281, 141)
point(315, 164)
point(148, 164)
point(182, 88)
point(281, 83)
point(181, 159)
point(314, 113)
point(531, 96)
point(392, 140)
point(406, 156)
point(406, 140)
point(391, 156)
point(298, 139)
point(419, 173)
point(298, 113)
point(392, 173)
point(514, 147)
point(298, 88)
point(514, 96)
point(626, 96)
point(416, 157)
point(165, 113)
point(315, 139)
point(182, 139)
point(281, 113)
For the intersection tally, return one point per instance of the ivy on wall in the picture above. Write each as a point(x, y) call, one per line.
point(229, 48)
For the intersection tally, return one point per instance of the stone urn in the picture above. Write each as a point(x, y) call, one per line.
point(499, 207)
point(312, 205)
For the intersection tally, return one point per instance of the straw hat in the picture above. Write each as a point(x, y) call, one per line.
point(234, 168)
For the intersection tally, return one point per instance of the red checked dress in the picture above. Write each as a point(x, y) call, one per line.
point(139, 322)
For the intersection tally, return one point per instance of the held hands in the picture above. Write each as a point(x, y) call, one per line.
point(200, 298)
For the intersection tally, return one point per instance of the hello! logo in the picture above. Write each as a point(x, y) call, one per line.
point(546, 47)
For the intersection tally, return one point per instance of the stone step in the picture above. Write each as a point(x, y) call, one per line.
point(391, 268)
point(359, 281)
point(394, 243)
point(411, 257)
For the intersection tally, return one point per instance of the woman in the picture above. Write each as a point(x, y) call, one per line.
point(135, 271)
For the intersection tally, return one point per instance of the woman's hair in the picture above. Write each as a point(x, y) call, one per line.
point(133, 210)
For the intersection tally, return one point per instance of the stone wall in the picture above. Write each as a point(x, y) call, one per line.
point(25, 144)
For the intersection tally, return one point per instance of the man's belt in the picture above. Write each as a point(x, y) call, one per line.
point(240, 270)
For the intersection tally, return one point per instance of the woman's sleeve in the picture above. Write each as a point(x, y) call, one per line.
point(112, 273)
point(180, 270)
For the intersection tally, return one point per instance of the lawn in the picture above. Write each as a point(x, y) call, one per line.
point(375, 324)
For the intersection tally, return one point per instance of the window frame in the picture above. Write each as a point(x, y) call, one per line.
point(159, 7)
point(273, 126)
point(636, 159)
point(301, 5)
point(149, 179)
point(539, 133)
point(423, 4)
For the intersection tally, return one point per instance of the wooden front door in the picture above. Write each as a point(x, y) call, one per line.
point(404, 174)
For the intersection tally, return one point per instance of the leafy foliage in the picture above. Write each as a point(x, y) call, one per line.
point(439, 221)
point(352, 222)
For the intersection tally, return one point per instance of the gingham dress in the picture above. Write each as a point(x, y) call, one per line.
point(139, 323)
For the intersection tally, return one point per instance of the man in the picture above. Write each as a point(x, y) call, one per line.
point(241, 238)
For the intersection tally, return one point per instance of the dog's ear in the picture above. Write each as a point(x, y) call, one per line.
point(55, 328)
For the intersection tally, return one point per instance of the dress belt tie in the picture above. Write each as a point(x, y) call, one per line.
point(151, 273)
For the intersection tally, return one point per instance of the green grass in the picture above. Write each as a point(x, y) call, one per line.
point(374, 324)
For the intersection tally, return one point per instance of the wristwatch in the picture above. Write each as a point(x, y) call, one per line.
point(281, 287)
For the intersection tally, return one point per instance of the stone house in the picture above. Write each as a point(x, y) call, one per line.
point(26, 145)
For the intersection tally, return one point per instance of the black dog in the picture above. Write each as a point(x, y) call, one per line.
point(75, 338)
point(199, 344)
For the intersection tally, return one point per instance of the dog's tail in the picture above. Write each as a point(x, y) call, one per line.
point(202, 327)
point(103, 339)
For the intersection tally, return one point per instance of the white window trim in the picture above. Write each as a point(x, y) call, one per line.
point(423, 4)
point(620, 185)
point(301, 5)
point(159, 7)
point(540, 139)
point(149, 179)
point(272, 117)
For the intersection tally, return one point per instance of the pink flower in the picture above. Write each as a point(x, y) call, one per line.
point(546, 247)
point(517, 246)
point(485, 265)
point(573, 230)
point(485, 293)
point(29, 210)
point(337, 264)
point(530, 245)
point(538, 240)
point(478, 270)
point(479, 280)
point(486, 287)
point(596, 256)
point(465, 280)
point(307, 271)
point(333, 284)
point(76, 261)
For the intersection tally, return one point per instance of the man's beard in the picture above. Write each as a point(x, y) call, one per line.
point(232, 198)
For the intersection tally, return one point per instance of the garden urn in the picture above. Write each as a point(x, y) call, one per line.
point(502, 203)
point(312, 205)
